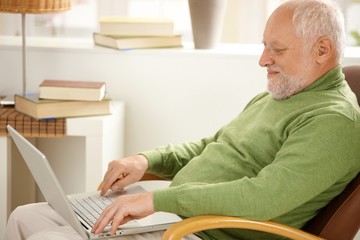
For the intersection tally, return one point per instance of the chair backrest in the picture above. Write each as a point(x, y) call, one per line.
point(352, 76)
point(340, 219)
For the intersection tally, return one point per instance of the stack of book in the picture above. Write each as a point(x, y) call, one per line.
point(126, 33)
point(63, 99)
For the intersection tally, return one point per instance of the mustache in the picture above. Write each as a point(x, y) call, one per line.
point(273, 69)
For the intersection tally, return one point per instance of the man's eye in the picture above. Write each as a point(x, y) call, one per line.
point(278, 51)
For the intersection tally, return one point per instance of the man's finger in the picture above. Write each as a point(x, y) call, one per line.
point(103, 185)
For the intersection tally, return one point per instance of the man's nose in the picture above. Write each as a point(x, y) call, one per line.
point(265, 58)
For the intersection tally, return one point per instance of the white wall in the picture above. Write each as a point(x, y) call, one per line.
point(170, 95)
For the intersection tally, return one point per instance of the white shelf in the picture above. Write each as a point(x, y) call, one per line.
point(79, 159)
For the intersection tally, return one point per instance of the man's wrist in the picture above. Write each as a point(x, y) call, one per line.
point(142, 159)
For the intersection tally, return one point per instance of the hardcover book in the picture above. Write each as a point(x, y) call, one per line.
point(137, 42)
point(72, 90)
point(38, 108)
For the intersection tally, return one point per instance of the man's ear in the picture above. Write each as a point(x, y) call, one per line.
point(324, 49)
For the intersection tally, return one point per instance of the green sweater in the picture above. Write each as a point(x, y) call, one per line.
point(279, 160)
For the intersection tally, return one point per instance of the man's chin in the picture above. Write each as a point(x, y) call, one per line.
point(283, 88)
point(278, 96)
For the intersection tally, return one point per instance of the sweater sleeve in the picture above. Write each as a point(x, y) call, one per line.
point(166, 161)
point(317, 154)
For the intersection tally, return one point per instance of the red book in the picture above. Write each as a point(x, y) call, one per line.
point(72, 90)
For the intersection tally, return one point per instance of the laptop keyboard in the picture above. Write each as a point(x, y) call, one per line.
point(89, 208)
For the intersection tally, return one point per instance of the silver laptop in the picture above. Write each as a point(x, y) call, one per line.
point(73, 207)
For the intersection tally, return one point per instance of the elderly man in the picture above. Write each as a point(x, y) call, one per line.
point(292, 149)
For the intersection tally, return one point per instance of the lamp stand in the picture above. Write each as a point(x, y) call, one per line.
point(23, 35)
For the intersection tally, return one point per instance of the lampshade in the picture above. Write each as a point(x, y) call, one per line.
point(34, 6)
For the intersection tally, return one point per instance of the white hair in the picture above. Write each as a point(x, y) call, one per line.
point(313, 19)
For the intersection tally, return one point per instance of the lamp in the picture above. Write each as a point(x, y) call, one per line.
point(32, 7)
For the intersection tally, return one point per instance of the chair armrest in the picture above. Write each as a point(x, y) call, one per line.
point(207, 222)
point(149, 176)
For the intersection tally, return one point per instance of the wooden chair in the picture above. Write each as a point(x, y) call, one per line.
point(340, 219)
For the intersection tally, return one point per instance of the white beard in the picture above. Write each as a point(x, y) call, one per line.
point(284, 86)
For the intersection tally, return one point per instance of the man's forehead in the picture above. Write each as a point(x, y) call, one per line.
point(279, 28)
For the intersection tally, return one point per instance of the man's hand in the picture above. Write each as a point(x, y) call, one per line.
point(124, 209)
point(123, 172)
